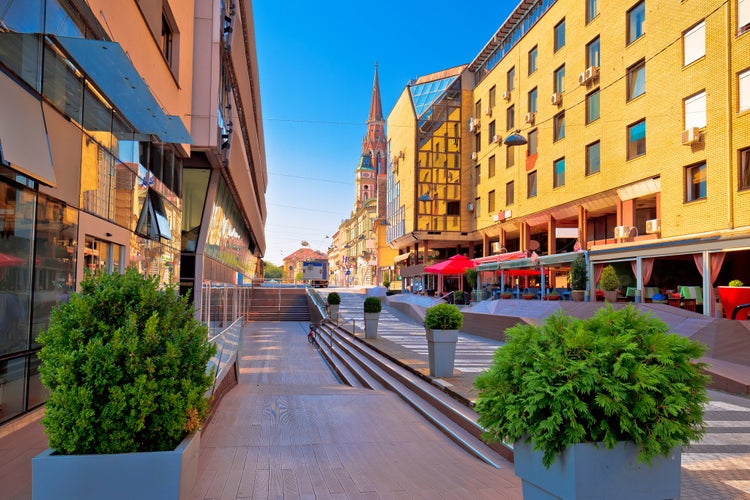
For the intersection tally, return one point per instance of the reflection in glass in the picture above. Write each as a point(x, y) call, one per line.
point(55, 270)
point(17, 207)
point(12, 375)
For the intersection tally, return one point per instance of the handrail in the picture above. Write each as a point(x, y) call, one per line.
point(227, 344)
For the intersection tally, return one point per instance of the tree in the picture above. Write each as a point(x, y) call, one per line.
point(272, 271)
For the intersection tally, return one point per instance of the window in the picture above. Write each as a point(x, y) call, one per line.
point(592, 10)
point(167, 37)
point(558, 85)
point(694, 43)
point(592, 158)
point(491, 201)
point(695, 182)
point(509, 193)
point(510, 118)
point(636, 22)
point(743, 16)
point(477, 206)
point(745, 169)
point(478, 109)
point(560, 35)
point(532, 60)
point(743, 85)
point(558, 173)
point(558, 127)
point(477, 174)
point(510, 79)
point(491, 132)
point(592, 106)
point(492, 97)
point(477, 142)
point(532, 100)
point(531, 142)
point(510, 156)
point(491, 167)
point(695, 110)
point(593, 54)
point(636, 80)
point(637, 139)
point(531, 184)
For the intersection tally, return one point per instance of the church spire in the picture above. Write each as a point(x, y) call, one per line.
point(376, 108)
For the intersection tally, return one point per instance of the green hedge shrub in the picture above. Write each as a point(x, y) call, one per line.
point(334, 299)
point(617, 376)
point(578, 274)
point(609, 280)
point(372, 305)
point(443, 317)
point(125, 364)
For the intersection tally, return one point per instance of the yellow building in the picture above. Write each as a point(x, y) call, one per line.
point(635, 121)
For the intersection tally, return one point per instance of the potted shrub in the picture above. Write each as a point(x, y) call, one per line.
point(506, 294)
point(604, 402)
point(472, 276)
point(609, 283)
point(442, 323)
point(553, 295)
point(578, 278)
point(372, 307)
point(334, 300)
point(733, 295)
point(528, 295)
point(125, 364)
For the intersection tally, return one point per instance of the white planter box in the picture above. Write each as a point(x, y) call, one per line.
point(585, 471)
point(371, 325)
point(156, 475)
point(441, 350)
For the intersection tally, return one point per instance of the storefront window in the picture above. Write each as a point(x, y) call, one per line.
point(17, 207)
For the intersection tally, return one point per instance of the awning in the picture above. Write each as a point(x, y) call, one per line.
point(402, 257)
point(110, 69)
point(23, 133)
point(558, 258)
point(492, 263)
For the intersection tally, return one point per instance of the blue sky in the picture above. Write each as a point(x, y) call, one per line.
point(316, 62)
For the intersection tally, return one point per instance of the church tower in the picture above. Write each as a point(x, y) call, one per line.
point(372, 163)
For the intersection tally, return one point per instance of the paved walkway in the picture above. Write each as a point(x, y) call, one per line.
point(291, 430)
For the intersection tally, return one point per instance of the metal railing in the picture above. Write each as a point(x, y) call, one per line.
point(227, 344)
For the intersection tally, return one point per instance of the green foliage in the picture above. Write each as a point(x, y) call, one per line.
point(609, 280)
point(125, 364)
point(471, 277)
point(618, 376)
point(372, 305)
point(386, 283)
point(578, 275)
point(553, 292)
point(736, 283)
point(443, 317)
point(334, 299)
point(272, 271)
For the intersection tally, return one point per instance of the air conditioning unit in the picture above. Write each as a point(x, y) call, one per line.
point(653, 226)
point(691, 136)
point(622, 232)
point(556, 99)
point(488, 111)
point(474, 155)
point(469, 207)
point(506, 95)
point(590, 74)
point(529, 118)
point(394, 160)
point(497, 139)
point(473, 124)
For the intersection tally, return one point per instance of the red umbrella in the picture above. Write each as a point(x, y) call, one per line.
point(455, 265)
point(10, 260)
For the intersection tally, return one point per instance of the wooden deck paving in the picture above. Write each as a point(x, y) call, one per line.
point(290, 430)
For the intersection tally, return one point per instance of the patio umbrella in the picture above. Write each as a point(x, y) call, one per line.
point(454, 265)
point(10, 260)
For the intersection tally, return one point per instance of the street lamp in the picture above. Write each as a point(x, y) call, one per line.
point(515, 139)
